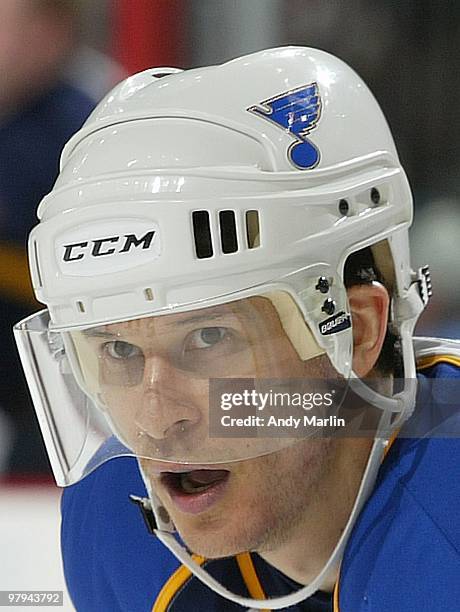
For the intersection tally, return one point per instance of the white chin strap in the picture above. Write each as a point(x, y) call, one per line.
point(367, 483)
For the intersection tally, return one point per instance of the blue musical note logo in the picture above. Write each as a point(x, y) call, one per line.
point(297, 111)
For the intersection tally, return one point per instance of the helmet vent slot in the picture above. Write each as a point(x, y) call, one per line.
point(148, 294)
point(202, 234)
point(252, 229)
point(375, 196)
point(344, 207)
point(81, 306)
point(228, 236)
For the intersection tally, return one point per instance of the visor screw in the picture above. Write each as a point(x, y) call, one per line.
point(344, 207)
point(322, 285)
point(375, 195)
point(328, 306)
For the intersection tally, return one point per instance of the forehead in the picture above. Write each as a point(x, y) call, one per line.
point(255, 311)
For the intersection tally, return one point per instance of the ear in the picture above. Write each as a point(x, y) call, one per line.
point(369, 311)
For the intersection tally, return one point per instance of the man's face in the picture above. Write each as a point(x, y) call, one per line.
point(153, 377)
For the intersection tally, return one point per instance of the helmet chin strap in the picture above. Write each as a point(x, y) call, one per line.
point(164, 533)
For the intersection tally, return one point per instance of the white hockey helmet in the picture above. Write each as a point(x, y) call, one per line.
point(186, 190)
point(231, 191)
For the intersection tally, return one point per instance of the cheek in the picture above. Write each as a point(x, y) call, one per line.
point(121, 405)
point(299, 473)
point(286, 475)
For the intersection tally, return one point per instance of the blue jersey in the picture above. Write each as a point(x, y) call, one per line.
point(403, 553)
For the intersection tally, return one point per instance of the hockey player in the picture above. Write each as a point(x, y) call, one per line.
point(217, 229)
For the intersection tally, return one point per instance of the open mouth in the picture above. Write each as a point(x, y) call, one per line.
point(196, 490)
point(193, 482)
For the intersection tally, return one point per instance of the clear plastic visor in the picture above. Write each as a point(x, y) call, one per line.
point(195, 387)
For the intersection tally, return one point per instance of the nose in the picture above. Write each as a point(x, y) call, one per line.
point(170, 403)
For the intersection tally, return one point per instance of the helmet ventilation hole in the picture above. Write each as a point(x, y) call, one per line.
point(344, 207)
point(81, 307)
point(228, 237)
point(160, 73)
point(148, 294)
point(375, 196)
point(202, 234)
point(252, 229)
point(229, 240)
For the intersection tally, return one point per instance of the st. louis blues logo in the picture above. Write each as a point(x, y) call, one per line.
point(297, 111)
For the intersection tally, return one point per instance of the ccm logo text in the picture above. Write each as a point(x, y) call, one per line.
point(104, 246)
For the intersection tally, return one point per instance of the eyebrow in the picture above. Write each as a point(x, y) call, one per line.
point(98, 332)
point(209, 316)
point(199, 318)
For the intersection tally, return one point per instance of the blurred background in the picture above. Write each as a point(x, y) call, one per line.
point(59, 57)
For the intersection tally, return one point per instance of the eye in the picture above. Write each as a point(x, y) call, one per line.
point(206, 337)
point(122, 350)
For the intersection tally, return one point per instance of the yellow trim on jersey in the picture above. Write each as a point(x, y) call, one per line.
point(431, 360)
point(336, 595)
point(392, 438)
point(182, 574)
point(248, 571)
point(173, 584)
